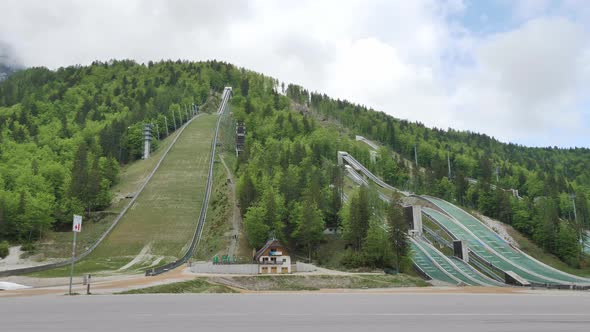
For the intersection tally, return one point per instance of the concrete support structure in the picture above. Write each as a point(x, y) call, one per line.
point(417, 217)
point(373, 154)
point(413, 216)
point(461, 250)
point(147, 140)
point(341, 155)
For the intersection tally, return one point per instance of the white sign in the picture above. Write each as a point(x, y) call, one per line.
point(77, 223)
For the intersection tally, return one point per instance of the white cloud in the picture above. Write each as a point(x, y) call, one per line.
point(407, 58)
point(526, 82)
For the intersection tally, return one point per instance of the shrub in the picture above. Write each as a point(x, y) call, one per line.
point(29, 246)
point(352, 259)
point(4, 249)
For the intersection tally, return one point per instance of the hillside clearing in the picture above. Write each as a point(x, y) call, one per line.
point(166, 212)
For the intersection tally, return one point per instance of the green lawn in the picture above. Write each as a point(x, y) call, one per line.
point(164, 216)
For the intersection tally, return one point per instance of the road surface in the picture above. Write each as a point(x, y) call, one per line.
point(545, 311)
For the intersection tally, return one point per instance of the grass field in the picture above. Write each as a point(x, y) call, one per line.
point(214, 239)
point(163, 219)
point(59, 244)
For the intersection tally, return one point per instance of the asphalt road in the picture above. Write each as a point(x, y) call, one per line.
point(298, 312)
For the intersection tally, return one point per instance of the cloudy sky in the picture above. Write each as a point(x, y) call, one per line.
point(516, 70)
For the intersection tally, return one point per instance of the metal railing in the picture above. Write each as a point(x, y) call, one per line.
point(437, 237)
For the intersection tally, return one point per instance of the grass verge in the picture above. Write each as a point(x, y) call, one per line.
point(198, 285)
point(316, 282)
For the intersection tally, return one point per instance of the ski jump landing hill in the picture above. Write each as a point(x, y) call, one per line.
point(490, 261)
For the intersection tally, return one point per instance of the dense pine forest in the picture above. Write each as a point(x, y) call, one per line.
point(65, 134)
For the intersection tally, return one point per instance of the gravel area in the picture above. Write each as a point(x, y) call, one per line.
point(498, 227)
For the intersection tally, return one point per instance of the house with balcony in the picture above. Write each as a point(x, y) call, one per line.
point(273, 258)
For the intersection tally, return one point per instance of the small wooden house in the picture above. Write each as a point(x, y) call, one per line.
point(273, 258)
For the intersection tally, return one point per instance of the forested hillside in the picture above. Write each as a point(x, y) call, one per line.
point(291, 186)
point(64, 135)
point(549, 180)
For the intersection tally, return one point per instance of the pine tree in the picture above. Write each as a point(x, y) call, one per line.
point(359, 218)
point(568, 245)
point(398, 232)
point(257, 232)
point(80, 178)
point(310, 226)
point(377, 248)
point(246, 192)
point(461, 186)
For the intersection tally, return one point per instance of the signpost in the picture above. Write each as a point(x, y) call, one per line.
point(76, 228)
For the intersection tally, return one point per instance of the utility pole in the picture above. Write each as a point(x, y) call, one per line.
point(416, 155)
point(573, 197)
point(579, 227)
point(166, 122)
point(449, 163)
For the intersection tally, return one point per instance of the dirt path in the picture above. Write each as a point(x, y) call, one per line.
point(104, 285)
point(13, 260)
point(236, 217)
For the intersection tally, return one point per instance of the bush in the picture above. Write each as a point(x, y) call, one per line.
point(352, 260)
point(29, 246)
point(4, 249)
